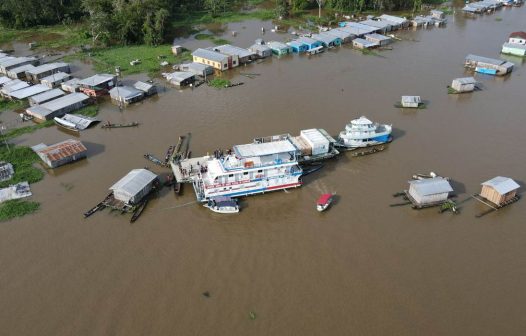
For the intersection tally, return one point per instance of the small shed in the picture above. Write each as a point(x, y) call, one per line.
point(6, 171)
point(429, 191)
point(465, 84)
point(261, 50)
point(363, 44)
point(147, 88)
point(181, 78)
point(198, 69)
point(61, 153)
point(71, 85)
point(126, 94)
point(411, 101)
point(177, 49)
point(29, 91)
point(379, 39)
point(45, 97)
point(55, 80)
point(133, 187)
point(499, 190)
point(279, 48)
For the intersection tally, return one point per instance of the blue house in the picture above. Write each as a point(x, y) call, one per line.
point(297, 46)
point(311, 43)
point(327, 40)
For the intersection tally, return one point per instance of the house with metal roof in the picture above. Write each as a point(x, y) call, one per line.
point(359, 29)
point(45, 97)
point(20, 72)
point(464, 84)
point(327, 40)
point(499, 190)
point(383, 26)
point(198, 69)
point(514, 49)
point(133, 187)
point(243, 55)
point(297, 46)
point(261, 49)
point(310, 42)
point(61, 153)
point(71, 85)
point(360, 43)
point(126, 94)
point(279, 48)
point(438, 14)
point(395, 21)
point(58, 107)
point(12, 86)
point(429, 191)
point(517, 38)
point(9, 63)
point(54, 80)
point(380, 40)
point(215, 59)
point(98, 85)
point(411, 101)
point(181, 78)
point(344, 35)
point(147, 88)
point(29, 91)
point(4, 80)
point(476, 63)
point(45, 70)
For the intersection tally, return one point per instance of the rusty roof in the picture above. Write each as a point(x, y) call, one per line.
point(520, 34)
point(62, 149)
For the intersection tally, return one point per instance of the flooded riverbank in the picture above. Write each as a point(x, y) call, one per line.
point(360, 268)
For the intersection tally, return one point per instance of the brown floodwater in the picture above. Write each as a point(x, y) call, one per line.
point(361, 268)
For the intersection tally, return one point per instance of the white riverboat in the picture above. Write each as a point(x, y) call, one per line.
point(248, 169)
point(362, 132)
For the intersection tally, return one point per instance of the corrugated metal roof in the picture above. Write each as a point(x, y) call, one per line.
point(11, 87)
point(259, 47)
point(4, 79)
point(343, 34)
point(465, 80)
point(74, 82)
point(47, 95)
point(378, 37)
point(325, 38)
point(376, 23)
point(97, 79)
point(81, 122)
point(16, 60)
point(47, 67)
point(307, 40)
point(501, 184)
point(210, 55)
point(392, 18)
point(179, 76)
point(29, 91)
point(233, 50)
point(6, 59)
point(55, 77)
point(411, 99)
point(134, 182)
point(475, 58)
point(199, 67)
point(145, 87)
point(21, 69)
point(67, 100)
point(60, 150)
point(127, 92)
point(266, 148)
point(431, 186)
point(277, 45)
point(364, 42)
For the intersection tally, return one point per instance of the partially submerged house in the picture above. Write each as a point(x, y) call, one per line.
point(344, 35)
point(29, 91)
point(147, 88)
point(279, 48)
point(483, 64)
point(12, 86)
point(382, 26)
point(215, 59)
point(465, 84)
point(181, 78)
point(411, 101)
point(44, 70)
point(429, 191)
point(517, 38)
point(8, 63)
point(396, 22)
point(243, 55)
point(54, 80)
point(310, 42)
point(98, 85)
point(499, 190)
point(297, 46)
point(380, 40)
point(126, 94)
point(360, 43)
point(514, 49)
point(59, 106)
point(260, 49)
point(327, 40)
point(133, 187)
point(45, 97)
point(61, 153)
point(20, 72)
point(198, 69)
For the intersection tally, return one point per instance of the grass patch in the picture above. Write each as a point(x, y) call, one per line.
point(51, 37)
point(366, 51)
point(10, 105)
point(16, 132)
point(105, 60)
point(204, 17)
point(17, 208)
point(219, 83)
point(22, 158)
point(88, 111)
point(209, 37)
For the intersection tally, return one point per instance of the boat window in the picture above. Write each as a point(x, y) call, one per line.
point(245, 173)
point(230, 175)
point(260, 170)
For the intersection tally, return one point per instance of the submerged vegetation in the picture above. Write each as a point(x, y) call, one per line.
point(16, 132)
point(10, 105)
point(17, 208)
point(219, 83)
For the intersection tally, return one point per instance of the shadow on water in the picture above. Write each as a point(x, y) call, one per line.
point(458, 187)
point(94, 148)
point(397, 133)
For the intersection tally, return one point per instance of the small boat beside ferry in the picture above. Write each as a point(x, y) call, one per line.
point(324, 202)
point(222, 204)
point(362, 132)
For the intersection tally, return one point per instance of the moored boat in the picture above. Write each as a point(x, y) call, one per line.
point(362, 132)
point(323, 202)
point(222, 204)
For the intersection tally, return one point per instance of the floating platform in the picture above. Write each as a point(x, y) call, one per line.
point(493, 206)
point(186, 170)
point(418, 206)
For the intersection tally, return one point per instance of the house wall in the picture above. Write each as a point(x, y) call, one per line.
point(462, 87)
point(492, 195)
point(427, 199)
point(216, 65)
point(513, 51)
point(517, 40)
point(63, 161)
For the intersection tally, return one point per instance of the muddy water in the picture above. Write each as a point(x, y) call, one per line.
point(361, 268)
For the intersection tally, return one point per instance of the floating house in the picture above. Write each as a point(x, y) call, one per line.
point(147, 88)
point(499, 190)
point(61, 153)
point(396, 22)
point(297, 46)
point(260, 49)
point(382, 26)
point(16, 191)
point(198, 69)
point(344, 35)
point(411, 101)
point(360, 43)
point(12, 86)
point(58, 107)
point(55, 80)
point(243, 55)
point(8, 63)
point(380, 40)
point(181, 78)
point(518, 38)
point(29, 91)
point(279, 48)
point(98, 85)
point(126, 94)
point(429, 192)
point(6, 171)
point(425, 21)
point(488, 65)
point(133, 187)
point(327, 40)
point(471, 9)
point(215, 59)
point(359, 29)
point(310, 42)
point(438, 14)
point(45, 97)
point(44, 70)
point(465, 84)
point(71, 85)
point(20, 72)
point(514, 49)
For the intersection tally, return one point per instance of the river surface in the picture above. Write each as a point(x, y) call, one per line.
point(361, 268)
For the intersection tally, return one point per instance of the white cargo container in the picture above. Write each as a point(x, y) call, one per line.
point(318, 141)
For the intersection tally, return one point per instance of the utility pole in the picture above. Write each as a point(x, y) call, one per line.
point(320, 3)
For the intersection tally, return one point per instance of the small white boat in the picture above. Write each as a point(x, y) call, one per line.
point(362, 132)
point(222, 204)
point(323, 202)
